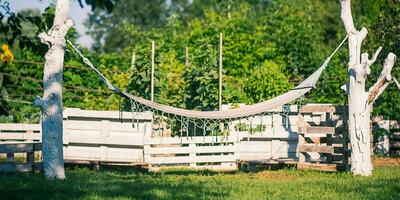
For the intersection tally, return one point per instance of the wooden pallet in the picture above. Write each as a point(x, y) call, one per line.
point(11, 164)
point(322, 143)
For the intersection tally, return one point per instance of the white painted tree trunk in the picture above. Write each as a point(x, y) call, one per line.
point(51, 102)
point(360, 101)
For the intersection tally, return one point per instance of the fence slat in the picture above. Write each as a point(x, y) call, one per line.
point(16, 148)
point(191, 140)
point(20, 136)
point(187, 159)
point(191, 149)
point(22, 127)
point(316, 148)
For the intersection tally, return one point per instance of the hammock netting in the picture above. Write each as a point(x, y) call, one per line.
point(193, 123)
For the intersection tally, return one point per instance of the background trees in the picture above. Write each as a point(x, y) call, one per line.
point(269, 46)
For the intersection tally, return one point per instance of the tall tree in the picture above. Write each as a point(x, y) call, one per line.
point(51, 102)
point(360, 101)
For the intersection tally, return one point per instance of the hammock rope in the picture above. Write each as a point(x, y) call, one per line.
point(397, 83)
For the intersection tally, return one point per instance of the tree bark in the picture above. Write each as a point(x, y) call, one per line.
point(360, 101)
point(51, 103)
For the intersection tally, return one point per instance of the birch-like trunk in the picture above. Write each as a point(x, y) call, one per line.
point(360, 101)
point(51, 102)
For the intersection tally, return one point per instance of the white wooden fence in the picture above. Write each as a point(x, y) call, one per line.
point(211, 152)
point(26, 150)
point(91, 136)
point(104, 136)
point(387, 144)
point(99, 136)
point(276, 140)
point(20, 133)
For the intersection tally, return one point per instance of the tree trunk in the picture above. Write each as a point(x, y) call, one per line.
point(359, 131)
point(360, 101)
point(51, 102)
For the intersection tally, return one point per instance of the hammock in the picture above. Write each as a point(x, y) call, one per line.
point(243, 112)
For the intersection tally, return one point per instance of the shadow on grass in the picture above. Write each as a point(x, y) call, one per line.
point(82, 183)
point(125, 183)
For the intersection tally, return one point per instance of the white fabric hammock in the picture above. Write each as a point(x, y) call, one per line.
point(242, 112)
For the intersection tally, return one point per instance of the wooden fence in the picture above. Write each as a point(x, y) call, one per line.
point(91, 136)
point(277, 139)
point(20, 133)
point(387, 143)
point(323, 143)
point(101, 137)
point(211, 152)
point(22, 164)
point(104, 136)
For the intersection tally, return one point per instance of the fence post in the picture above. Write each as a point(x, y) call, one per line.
point(10, 157)
point(30, 158)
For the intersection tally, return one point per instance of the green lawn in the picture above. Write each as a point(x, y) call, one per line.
point(82, 183)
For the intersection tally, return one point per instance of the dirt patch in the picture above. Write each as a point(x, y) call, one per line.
point(266, 175)
point(385, 161)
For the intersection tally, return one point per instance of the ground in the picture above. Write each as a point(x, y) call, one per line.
point(83, 183)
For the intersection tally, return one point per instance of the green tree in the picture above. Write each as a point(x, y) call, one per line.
point(267, 82)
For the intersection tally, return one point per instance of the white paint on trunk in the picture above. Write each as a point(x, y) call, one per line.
point(360, 101)
point(51, 102)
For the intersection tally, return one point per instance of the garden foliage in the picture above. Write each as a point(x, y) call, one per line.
point(268, 48)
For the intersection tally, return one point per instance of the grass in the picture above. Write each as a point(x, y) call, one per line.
point(82, 183)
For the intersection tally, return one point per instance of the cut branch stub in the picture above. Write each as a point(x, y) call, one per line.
point(366, 62)
point(384, 79)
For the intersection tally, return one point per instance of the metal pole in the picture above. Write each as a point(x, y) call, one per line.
point(153, 50)
point(133, 60)
point(221, 125)
point(220, 73)
point(186, 71)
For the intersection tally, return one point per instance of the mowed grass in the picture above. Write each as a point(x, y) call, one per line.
point(83, 183)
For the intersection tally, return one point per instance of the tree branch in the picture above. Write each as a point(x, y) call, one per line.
point(384, 79)
point(39, 102)
point(347, 18)
point(366, 62)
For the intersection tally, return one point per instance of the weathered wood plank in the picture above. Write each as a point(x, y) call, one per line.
point(19, 127)
point(190, 149)
point(187, 159)
point(315, 140)
point(395, 144)
point(394, 124)
point(317, 130)
point(134, 140)
point(254, 156)
point(16, 148)
point(335, 158)
point(78, 113)
point(317, 108)
point(95, 154)
point(82, 125)
point(315, 148)
point(283, 136)
point(228, 166)
point(20, 136)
